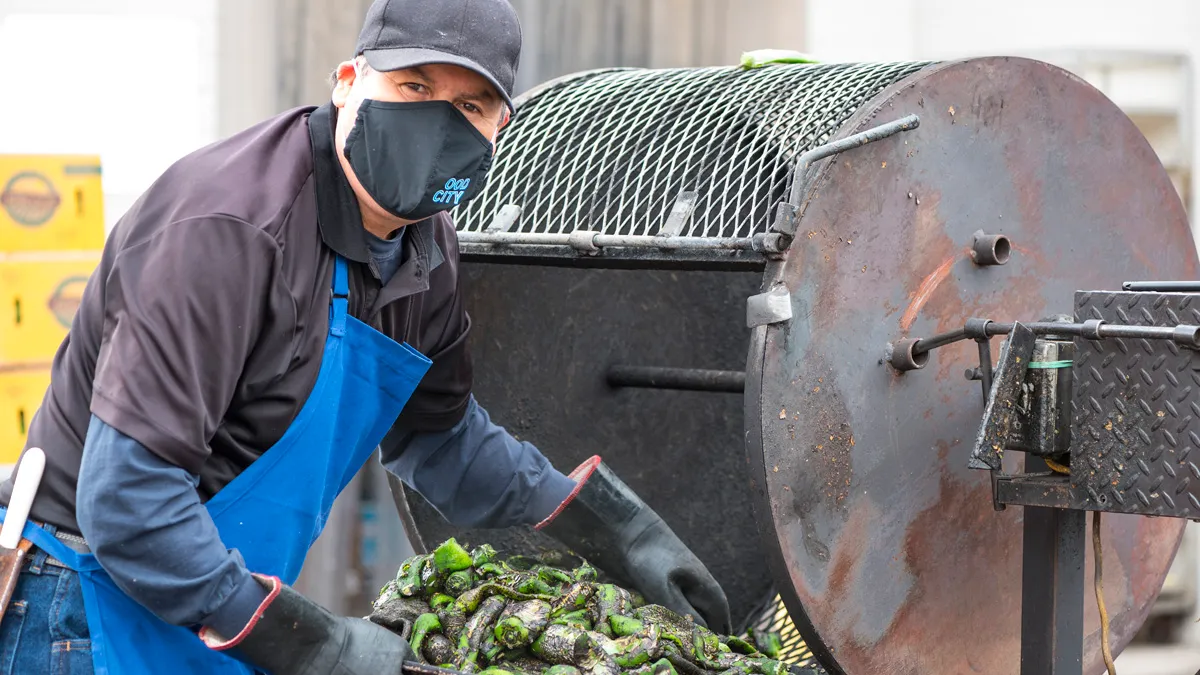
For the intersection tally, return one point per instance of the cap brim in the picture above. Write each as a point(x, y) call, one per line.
point(385, 60)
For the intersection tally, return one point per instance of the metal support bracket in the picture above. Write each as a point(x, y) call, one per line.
point(786, 220)
point(764, 309)
point(504, 219)
point(681, 214)
point(1001, 410)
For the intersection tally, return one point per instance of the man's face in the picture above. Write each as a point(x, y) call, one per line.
point(468, 91)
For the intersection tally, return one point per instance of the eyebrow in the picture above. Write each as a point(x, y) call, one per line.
point(485, 95)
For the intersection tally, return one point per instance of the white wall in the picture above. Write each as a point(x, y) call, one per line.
point(131, 80)
point(1139, 54)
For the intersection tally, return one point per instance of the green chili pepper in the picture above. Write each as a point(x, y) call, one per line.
point(438, 649)
point(477, 626)
point(561, 644)
point(575, 597)
point(528, 617)
point(399, 614)
point(432, 578)
point(610, 600)
point(459, 582)
point(421, 628)
point(408, 583)
point(468, 602)
point(623, 626)
point(440, 601)
point(705, 648)
point(598, 662)
point(454, 619)
point(469, 663)
point(534, 586)
point(769, 643)
point(639, 600)
point(580, 618)
point(388, 592)
point(523, 664)
point(633, 651)
point(664, 618)
point(764, 57)
point(489, 569)
point(662, 667)
point(585, 572)
point(489, 648)
point(554, 576)
point(522, 622)
point(739, 646)
point(482, 554)
point(451, 557)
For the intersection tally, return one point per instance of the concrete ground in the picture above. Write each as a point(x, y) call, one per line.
point(1142, 659)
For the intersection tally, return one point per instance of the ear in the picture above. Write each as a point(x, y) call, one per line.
point(346, 76)
point(505, 117)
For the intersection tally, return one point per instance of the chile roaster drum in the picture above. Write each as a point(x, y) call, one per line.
point(832, 480)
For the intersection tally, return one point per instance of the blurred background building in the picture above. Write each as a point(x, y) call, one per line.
point(142, 82)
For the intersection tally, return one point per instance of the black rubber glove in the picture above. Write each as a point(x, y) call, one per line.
point(292, 635)
point(605, 522)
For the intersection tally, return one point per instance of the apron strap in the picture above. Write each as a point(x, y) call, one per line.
point(80, 562)
point(341, 297)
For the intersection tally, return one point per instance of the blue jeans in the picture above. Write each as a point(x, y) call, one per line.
point(45, 627)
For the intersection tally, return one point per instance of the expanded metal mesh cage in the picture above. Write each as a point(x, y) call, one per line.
point(610, 151)
point(774, 618)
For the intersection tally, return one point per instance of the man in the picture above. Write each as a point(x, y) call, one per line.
point(273, 309)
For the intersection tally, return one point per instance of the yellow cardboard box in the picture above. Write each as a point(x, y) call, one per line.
point(39, 294)
point(21, 393)
point(50, 203)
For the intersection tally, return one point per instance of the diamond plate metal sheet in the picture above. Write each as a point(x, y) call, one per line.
point(1136, 409)
point(611, 151)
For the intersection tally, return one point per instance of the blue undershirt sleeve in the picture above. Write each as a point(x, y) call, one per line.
point(143, 520)
point(476, 474)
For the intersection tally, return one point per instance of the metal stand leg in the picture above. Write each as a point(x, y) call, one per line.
point(1052, 591)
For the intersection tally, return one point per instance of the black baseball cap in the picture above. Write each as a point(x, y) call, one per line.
point(480, 35)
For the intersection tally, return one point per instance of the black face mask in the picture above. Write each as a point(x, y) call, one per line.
point(417, 159)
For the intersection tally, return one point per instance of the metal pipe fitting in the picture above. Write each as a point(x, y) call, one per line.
point(977, 329)
point(990, 249)
point(902, 356)
point(1187, 336)
point(1091, 329)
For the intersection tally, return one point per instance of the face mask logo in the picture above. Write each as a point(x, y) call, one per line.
point(453, 192)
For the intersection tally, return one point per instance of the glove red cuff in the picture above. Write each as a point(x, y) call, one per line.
point(580, 475)
point(216, 642)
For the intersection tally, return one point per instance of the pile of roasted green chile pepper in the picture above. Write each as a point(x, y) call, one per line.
point(470, 611)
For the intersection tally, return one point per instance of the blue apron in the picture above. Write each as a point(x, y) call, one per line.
point(274, 510)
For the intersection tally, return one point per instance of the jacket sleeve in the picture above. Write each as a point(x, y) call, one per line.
point(476, 474)
point(144, 522)
point(177, 336)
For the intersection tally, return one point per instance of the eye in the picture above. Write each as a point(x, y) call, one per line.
point(472, 108)
point(415, 87)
